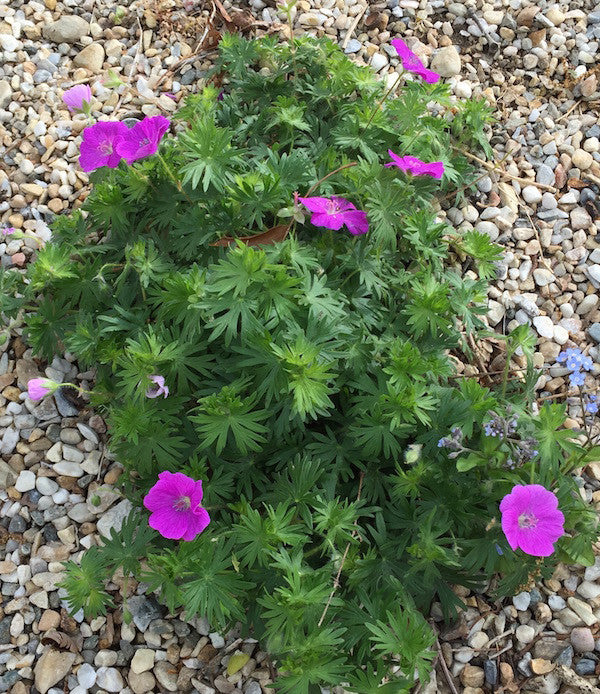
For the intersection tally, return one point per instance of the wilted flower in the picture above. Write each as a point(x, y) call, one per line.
point(159, 387)
point(334, 212)
point(592, 406)
point(38, 388)
point(501, 427)
point(142, 140)
point(78, 98)
point(415, 166)
point(531, 520)
point(99, 145)
point(454, 442)
point(174, 502)
point(411, 63)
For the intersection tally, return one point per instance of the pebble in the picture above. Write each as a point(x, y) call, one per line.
point(446, 61)
point(525, 633)
point(25, 481)
point(522, 601)
point(582, 639)
point(110, 679)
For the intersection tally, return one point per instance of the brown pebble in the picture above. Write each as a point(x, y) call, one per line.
point(6, 380)
point(472, 676)
point(50, 619)
point(12, 393)
point(87, 528)
point(97, 423)
point(113, 475)
point(18, 259)
point(541, 666)
point(55, 205)
point(506, 673)
point(207, 653)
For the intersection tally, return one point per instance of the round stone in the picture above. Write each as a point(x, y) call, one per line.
point(522, 601)
point(582, 639)
point(525, 633)
point(46, 486)
point(582, 159)
point(25, 481)
point(531, 194)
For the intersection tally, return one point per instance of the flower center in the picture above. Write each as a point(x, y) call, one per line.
point(106, 147)
point(144, 142)
point(527, 520)
point(182, 504)
point(332, 207)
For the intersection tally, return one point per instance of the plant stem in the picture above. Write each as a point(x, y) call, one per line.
point(380, 103)
point(505, 372)
point(318, 183)
point(585, 423)
point(174, 178)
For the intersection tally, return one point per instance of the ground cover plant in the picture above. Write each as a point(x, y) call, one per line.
point(274, 312)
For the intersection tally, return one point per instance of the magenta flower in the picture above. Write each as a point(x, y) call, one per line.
point(411, 63)
point(159, 387)
point(38, 388)
point(175, 505)
point(7, 231)
point(531, 520)
point(99, 145)
point(142, 140)
point(78, 98)
point(415, 166)
point(334, 212)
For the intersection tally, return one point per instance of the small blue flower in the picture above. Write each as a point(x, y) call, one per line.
point(499, 549)
point(577, 378)
point(441, 443)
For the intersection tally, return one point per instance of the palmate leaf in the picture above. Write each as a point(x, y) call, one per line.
point(125, 547)
point(405, 634)
point(84, 584)
point(211, 157)
point(369, 681)
point(227, 416)
point(260, 534)
point(212, 587)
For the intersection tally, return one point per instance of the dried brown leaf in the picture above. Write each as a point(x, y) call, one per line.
point(266, 238)
point(64, 641)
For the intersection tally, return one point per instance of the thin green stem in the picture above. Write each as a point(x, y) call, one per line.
point(381, 102)
point(505, 372)
point(174, 178)
point(585, 424)
point(318, 183)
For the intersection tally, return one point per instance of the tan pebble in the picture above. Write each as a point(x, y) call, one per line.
point(506, 673)
point(112, 475)
point(541, 666)
point(16, 220)
point(472, 676)
point(7, 567)
point(49, 620)
point(13, 494)
point(12, 393)
point(55, 205)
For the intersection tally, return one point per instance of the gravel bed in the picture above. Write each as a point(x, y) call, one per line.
point(537, 64)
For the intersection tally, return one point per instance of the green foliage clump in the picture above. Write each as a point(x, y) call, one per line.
point(311, 379)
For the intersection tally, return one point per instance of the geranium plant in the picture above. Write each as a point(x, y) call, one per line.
point(274, 309)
